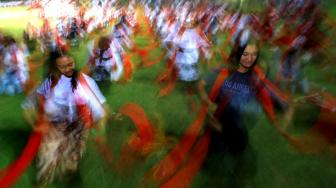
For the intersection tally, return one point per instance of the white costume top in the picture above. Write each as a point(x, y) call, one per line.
point(19, 65)
point(61, 101)
point(187, 55)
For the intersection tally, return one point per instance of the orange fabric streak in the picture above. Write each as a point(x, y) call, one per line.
point(168, 74)
point(168, 166)
point(164, 75)
point(11, 173)
point(143, 53)
point(128, 67)
point(145, 134)
point(84, 113)
point(283, 96)
point(16, 169)
point(266, 102)
point(148, 63)
point(171, 83)
point(185, 175)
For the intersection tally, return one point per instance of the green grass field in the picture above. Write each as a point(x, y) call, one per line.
point(270, 161)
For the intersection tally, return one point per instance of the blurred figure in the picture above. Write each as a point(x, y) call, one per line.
point(105, 61)
point(307, 40)
point(29, 38)
point(236, 97)
point(74, 31)
point(69, 104)
point(14, 69)
point(46, 37)
point(189, 42)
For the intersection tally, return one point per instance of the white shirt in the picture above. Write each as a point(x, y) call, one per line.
point(20, 65)
point(60, 102)
point(187, 57)
point(190, 42)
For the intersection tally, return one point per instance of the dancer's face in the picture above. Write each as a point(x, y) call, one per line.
point(66, 65)
point(249, 56)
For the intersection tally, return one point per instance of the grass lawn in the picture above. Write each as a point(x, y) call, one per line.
point(14, 23)
point(270, 161)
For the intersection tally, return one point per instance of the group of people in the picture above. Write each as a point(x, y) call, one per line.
point(294, 36)
point(69, 102)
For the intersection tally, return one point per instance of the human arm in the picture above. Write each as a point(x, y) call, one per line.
point(212, 121)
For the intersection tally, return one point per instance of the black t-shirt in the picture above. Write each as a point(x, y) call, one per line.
point(240, 92)
point(238, 89)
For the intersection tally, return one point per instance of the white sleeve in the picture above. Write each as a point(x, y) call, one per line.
point(95, 100)
point(170, 37)
point(22, 65)
point(95, 89)
point(90, 47)
point(44, 88)
point(200, 41)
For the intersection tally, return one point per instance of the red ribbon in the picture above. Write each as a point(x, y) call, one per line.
point(16, 169)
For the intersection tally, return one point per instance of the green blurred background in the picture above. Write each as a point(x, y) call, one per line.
point(270, 161)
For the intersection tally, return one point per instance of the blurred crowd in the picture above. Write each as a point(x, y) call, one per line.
point(232, 90)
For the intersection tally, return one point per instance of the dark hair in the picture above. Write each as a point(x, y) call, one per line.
point(52, 70)
point(8, 40)
point(235, 57)
point(237, 53)
point(103, 42)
